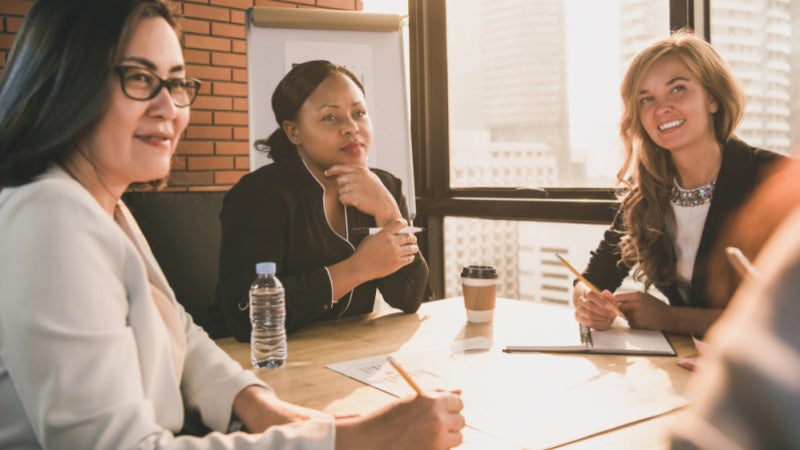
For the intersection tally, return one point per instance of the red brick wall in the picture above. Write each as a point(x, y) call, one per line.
point(213, 154)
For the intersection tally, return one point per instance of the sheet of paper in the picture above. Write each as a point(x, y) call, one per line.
point(631, 341)
point(532, 400)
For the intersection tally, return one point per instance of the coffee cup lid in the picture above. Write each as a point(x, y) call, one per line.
point(486, 272)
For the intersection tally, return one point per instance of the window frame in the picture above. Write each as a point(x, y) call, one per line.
point(430, 130)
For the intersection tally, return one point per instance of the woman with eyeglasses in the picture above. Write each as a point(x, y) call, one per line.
point(95, 351)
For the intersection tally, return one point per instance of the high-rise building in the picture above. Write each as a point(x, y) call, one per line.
point(524, 53)
point(794, 104)
point(755, 38)
point(526, 140)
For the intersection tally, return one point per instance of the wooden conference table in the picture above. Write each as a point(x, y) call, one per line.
point(603, 380)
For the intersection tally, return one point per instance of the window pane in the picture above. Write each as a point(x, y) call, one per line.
point(759, 40)
point(523, 252)
point(533, 87)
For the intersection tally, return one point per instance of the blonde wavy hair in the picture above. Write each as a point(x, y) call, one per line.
point(648, 170)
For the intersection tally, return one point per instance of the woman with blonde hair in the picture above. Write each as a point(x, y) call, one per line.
point(683, 173)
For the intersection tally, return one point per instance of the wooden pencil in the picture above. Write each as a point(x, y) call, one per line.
point(405, 375)
point(588, 283)
point(740, 262)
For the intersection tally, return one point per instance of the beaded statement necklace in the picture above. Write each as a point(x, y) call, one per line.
point(691, 197)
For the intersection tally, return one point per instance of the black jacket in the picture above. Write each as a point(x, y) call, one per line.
point(276, 214)
point(742, 170)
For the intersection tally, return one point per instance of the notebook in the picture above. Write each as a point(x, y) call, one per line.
point(618, 340)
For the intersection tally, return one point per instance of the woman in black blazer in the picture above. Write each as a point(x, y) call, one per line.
point(684, 173)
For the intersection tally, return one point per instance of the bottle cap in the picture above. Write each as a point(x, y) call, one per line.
point(264, 268)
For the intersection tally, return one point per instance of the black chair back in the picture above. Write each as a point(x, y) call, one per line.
point(183, 231)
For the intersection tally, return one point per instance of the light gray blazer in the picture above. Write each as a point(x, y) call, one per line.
point(85, 360)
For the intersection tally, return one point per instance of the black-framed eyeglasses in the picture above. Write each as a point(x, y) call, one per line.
point(139, 83)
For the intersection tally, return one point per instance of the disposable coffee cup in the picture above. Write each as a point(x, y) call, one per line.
point(480, 292)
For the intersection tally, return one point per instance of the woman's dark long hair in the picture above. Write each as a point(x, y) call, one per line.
point(290, 94)
point(54, 86)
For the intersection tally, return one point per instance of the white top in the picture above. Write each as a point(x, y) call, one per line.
point(85, 361)
point(685, 234)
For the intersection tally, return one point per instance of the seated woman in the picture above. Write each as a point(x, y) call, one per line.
point(302, 211)
point(95, 351)
point(685, 173)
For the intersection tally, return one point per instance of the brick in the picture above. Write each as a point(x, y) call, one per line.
point(337, 4)
point(187, 147)
point(206, 12)
point(207, 42)
point(231, 89)
point(228, 30)
point(178, 163)
point(240, 75)
point(228, 59)
point(13, 24)
point(210, 162)
point(5, 41)
point(238, 4)
point(359, 5)
point(2, 24)
point(232, 148)
point(2, 59)
point(238, 17)
point(201, 118)
point(15, 7)
point(205, 89)
point(240, 133)
point(242, 162)
point(229, 177)
point(240, 104)
point(209, 72)
point(208, 132)
point(212, 103)
point(186, 178)
point(197, 56)
point(195, 26)
point(239, 46)
point(277, 4)
point(230, 118)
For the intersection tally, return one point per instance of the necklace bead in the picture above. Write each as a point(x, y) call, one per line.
point(691, 197)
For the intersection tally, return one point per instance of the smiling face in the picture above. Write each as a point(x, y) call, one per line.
point(332, 126)
point(674, 108)
point(134, 140)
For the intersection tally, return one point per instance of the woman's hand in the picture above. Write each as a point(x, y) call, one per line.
point(591, 309)
point(644, 311)
point(385, 252)
point(363, 190)
point(431, 421)
point(258, 408)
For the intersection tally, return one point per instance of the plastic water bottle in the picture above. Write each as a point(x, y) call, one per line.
point(267, 317)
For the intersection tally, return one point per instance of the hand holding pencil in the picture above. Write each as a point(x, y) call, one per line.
point(434, 416)
point(596, 311)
